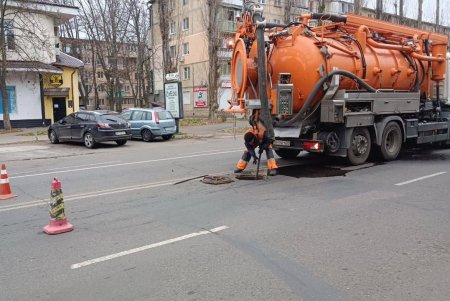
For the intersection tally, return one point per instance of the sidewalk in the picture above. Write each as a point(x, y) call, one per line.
point(34, 135)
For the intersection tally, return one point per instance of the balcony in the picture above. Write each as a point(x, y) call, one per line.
point(228, 26)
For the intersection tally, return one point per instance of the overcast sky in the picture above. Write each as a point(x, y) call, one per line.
point(411, 9)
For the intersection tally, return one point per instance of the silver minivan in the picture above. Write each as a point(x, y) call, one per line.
point(150, 123)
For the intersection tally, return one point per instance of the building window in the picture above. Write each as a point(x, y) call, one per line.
point(185, 2)
point(262, 1)
point(9, 35)
point(277, 3)
point(99, 74)
point(225, 69)
point(173, 28)
point(277, 21)
point(186, 73)
point(172, 51)
point(185, 23)
point(11, 96)
point(185, 48)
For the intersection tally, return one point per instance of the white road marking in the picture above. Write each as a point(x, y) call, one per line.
point(71, 166)
point(143, 248)
point(91, 194)
point(421, 178)
point(127, 163)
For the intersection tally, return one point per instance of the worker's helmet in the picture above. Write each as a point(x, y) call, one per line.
point(250, 138)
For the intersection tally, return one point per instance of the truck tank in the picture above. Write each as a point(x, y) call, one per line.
point(383, 55)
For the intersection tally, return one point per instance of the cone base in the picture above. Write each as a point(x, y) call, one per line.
point(7, 196)
point(58, 227)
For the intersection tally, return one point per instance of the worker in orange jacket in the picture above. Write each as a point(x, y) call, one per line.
point(255, 137)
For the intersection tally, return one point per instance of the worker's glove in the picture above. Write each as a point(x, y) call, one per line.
point(255, 160)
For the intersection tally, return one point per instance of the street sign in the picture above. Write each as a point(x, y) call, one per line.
point(173, 99)
point(173, 76)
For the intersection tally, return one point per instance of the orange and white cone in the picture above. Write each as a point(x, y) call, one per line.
point(5, 189)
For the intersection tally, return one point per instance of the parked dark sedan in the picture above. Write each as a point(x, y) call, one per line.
point(90, 127)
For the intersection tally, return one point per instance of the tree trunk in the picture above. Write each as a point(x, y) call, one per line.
point(357, 7)
point(420, 14)
point(379, 9)
point(6, 120)
point(438, 21)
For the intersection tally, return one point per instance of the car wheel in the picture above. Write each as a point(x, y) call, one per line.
point(287, 153)
point(147, 135)
point(89, 141)
point(53, 137)
point(359, 150)
point(391, 141)
point(121, 142)
point(167, 137)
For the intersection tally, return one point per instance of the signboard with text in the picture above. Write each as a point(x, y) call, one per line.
point(200, 97)
point(173, 99)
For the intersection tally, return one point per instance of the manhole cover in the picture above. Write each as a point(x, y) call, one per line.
point(216, 180)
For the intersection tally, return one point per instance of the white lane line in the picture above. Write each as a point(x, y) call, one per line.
point(421, 178)
point(71, 166)
point(91, 194)
point(127, 163)
point(143, 248)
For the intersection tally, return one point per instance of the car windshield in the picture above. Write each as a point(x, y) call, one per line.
point(110, 118)
point(163, 115)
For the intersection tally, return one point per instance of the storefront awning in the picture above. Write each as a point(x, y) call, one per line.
point(64, 92)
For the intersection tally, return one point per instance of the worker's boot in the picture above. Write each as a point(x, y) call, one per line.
point(272, 167)
point(237, 170)
point(272, 172)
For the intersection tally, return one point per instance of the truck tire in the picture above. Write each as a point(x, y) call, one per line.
point(360, 144)
point(287, 153)
point(391, 141)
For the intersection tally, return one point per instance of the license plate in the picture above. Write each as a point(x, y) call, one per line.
point(282, 143)
point(120, 133)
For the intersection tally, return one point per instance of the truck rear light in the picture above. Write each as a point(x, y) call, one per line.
point(313, 146)
point(102, 125)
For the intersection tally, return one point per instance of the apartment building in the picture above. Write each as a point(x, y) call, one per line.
point(123, 90)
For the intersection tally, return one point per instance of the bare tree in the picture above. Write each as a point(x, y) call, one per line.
point(379, 9)
point(420, 14)
point(139, 33)
point(25, 37)
point(287, 11)
point(107, 25)
point(211, 19)
point(437, 20)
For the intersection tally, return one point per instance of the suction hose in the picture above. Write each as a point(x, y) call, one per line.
point(297, 117)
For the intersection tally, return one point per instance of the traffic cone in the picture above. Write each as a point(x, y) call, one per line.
point(5, 189)
point(58, 221)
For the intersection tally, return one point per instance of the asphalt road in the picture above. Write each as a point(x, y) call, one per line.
point(320, 230)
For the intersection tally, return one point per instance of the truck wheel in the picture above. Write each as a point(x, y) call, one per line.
point(391, 141)
point(287, 153)
point(359, 150)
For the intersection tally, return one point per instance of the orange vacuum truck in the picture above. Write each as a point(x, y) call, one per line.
point(343, 85)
